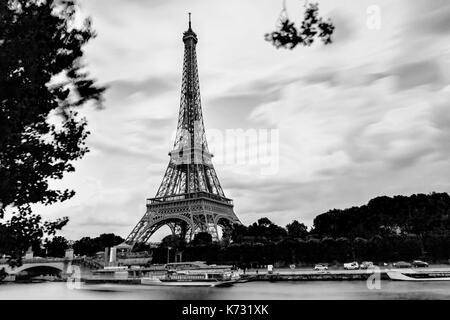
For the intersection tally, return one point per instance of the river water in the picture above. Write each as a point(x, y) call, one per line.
point(301, 290)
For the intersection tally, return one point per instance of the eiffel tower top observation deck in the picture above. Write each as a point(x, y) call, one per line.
point(190, 198)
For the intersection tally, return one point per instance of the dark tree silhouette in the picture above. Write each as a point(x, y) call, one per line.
point(385, 230)
point(3, 274)
point(297, 229)
point(202, 238)
point(24, 230)
point(108, 240)
point(172, 241)
point(417, 214)
point(141, 247)
point(56, 247)
point(86, 246)
point(90, 246)
point(288, 36)
point(42, 81)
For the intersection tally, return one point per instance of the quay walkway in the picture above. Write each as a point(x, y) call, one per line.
point(331, 275)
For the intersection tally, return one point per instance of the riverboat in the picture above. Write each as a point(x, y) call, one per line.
point(194, 274)
point(411, 275)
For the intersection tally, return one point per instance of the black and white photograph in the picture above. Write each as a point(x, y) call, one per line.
point(210, 150)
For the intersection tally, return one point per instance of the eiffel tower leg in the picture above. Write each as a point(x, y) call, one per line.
point(212, 227)
point(215, 230)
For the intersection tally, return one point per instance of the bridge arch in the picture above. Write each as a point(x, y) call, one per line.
point(50, 268)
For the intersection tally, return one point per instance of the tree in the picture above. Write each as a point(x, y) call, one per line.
point(238, 232)
point(202, 238)
point(3, 274)
point(288, 36)
point(42, 82)
point(86, 246)
point(56, 247)
point(90, 246)
point(264, 222)
point(417, 214)
point(266, 230)
point(24, 230)
point(141, 247)
point(108, 240)
point(297, 230)
point(172, 241)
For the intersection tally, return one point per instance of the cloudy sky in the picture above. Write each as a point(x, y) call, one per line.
point(364, 117)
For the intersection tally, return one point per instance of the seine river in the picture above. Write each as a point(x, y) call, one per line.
point(348, 290)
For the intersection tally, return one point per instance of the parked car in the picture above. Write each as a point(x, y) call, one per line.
point(351, 265)
point(419, 264)
point(320, 267)
point(402, 264)
point(366, 265)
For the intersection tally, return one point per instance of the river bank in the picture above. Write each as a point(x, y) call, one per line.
point(287, 275)
point(254, 275)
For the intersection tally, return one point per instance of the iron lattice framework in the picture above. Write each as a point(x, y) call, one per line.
point(190, 199)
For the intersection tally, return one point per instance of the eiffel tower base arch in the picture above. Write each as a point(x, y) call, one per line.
point(185, 218)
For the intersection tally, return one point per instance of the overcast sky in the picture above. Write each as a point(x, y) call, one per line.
point(364, 117)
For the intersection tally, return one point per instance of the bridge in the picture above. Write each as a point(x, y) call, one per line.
point(54, 266)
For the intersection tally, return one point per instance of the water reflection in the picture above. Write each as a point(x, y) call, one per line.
point(252, 290)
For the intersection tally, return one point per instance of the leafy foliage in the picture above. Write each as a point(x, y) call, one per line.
point(42, 81)
point(141, 247)
point(3, 274)
point(263, 230)
point(172, 241)
point(202, 238)
point(297, 229)
point(288, 36)
point(56, 247)
point(23, 230)
point(90, 246)
point(386, 229)
point(418, 214)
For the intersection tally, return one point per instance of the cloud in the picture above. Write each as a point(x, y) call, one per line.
point(120, 90)
point(345, 26)
point(233, 110)
point(426, 72)
point(429, 18)
point(355, 76)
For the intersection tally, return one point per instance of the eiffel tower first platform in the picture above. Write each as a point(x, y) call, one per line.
point(190, 199)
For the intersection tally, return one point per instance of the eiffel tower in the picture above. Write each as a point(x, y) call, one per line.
point(190, 199)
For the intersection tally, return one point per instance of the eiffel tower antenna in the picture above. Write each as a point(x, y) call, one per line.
point(190, 198)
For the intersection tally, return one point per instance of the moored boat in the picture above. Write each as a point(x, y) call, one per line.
point(187, 281)
point(187, 274)
point(410, 275)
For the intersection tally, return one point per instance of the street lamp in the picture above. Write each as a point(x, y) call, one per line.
point(168, 249)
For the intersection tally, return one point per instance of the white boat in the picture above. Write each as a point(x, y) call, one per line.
point(410, 275)
point(187, 274)
point(193, 274)
point(185, 282)
point(193, 278)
